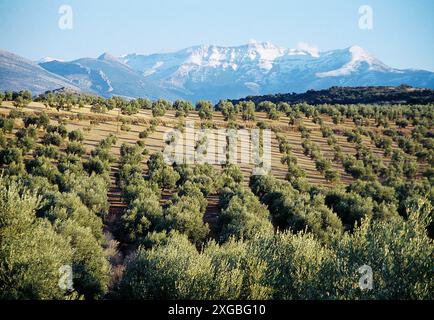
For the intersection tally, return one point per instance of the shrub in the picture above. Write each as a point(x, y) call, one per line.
point(247, 109)
point(89, 263)
point(10, 155)
point(144, 214)
point(53, 138)
point(76, 135)
point(75, 148)
point(184, 214)
point(242, 216)
point(51, 152)
point(92, 190)
point(205, 109)
point(159, 107)
point(290, 208)
point(96, 165)
point(350, 207)
point(31, 253)
point(42, 166)
point(332, 175)
point(228, 110)
point(182, 108)
point(7, 125)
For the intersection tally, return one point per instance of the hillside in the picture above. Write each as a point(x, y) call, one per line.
point(352, 95)
point(17, 73)
point(84, 184)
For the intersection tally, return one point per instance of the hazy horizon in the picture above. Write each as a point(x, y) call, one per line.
point(400, 36)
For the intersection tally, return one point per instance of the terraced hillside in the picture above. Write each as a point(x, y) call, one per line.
point(97, 179)
point(97, 127)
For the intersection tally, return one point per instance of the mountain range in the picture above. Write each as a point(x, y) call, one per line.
point(208, 72)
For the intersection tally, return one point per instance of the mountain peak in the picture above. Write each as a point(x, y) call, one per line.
point(261, 44)
point(306, 48)
point(47, 59)
point(360, 54)
point(108, 57)
point(356, 48)
point(360, 60)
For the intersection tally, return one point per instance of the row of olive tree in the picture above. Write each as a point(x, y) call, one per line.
point(51, 217)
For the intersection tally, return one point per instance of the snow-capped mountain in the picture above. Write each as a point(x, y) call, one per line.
point(218, 72)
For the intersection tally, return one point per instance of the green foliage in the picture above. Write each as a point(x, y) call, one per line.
point(184, 213)
point(182, 108)
point(144, 214)
point(38, 121)
point(350, 207)
point(228, 110)
point(76, 135)
point(34, 250)
point(42, 166)
point(242, 216)
point(234, 172)
point(60, 129)
point(161, 173)
point(92, 190)
point(52, 138)
point(95, 165)
point(7, 125)
point(184, 273)
point(247, 109)
point(288, 266)
point(131, 107)
point(332, 175)
point(75, 148)
point(31, 252)
point(160, 107)
point(279, 240)
point(290, 208)
point(70, 162)
point(68, 206)
point(30, 260)
point(205, 109)
point(89, 264)
point(103, 149)
point(10, 155)
point(98, 108)
point(173, 267)
point(23, 99)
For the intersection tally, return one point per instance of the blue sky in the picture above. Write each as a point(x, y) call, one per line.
point(402, 36)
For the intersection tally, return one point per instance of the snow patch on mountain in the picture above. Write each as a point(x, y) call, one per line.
point(47, 59)
point(107, 80)
point(153, 69)
point(303, 47)
point(359, 58)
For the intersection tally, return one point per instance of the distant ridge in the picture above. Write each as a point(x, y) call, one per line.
point(352, 95)
point(18, 73)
